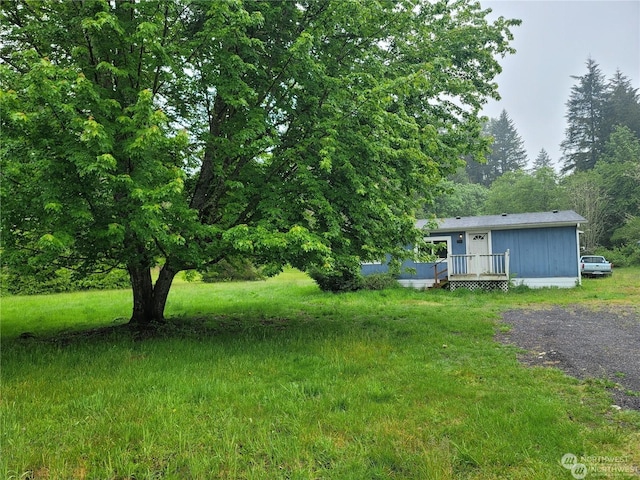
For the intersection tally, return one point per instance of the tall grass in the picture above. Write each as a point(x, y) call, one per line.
point(276, 379)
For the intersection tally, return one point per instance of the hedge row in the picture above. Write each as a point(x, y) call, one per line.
point(58, 281)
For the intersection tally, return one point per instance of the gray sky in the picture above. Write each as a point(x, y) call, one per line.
point(554, 41)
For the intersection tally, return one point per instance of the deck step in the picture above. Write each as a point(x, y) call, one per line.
point(440, 284)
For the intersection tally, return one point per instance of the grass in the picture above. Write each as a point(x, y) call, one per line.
point(276, 379)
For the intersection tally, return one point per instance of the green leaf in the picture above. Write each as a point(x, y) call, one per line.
point(53, 207)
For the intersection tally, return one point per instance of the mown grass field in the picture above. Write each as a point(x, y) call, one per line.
point(277, 380)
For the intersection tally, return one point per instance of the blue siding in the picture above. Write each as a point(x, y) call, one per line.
point(423, 270)
point(539, 252)
point(458, 248)
point(369, 269)
point(534, 253)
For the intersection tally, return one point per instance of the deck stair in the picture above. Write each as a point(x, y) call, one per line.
point(438, 272)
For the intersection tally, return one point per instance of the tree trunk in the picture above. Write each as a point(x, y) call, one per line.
point(149, 300)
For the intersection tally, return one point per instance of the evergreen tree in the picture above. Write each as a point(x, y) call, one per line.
point(477, 171)
point(622, 106)
point(543, 160)
point(507, 152)
point(584, 136)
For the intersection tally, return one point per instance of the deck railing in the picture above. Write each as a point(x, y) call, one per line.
point(479, 265)
point(440, 270)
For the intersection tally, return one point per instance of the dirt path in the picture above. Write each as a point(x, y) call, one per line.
point(585, 343)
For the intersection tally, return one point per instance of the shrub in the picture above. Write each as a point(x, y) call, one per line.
point(232, 269)
point(624, 256)
point(379, 281)
point(60, 280)
point(115, 279)
point(337, 279)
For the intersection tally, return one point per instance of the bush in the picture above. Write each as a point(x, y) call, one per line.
point(102, 281)
point(232, 269)
point(625, 256)
point(380, 281)
point(340, 279)
point(60, 280)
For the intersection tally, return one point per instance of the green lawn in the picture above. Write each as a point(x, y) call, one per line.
point(276, 379)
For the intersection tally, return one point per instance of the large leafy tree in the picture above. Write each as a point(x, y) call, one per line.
point(178, 133)
point(586, 196)
point(585, 134)
point(520, 192)
point(457, 199)
point(619, 175)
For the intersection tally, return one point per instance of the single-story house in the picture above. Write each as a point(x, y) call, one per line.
point(536, 249)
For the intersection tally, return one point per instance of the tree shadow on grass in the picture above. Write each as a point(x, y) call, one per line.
point(195, 328)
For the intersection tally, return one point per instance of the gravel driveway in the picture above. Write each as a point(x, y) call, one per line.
point(583, 342)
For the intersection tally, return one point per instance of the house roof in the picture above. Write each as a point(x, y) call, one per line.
point(508, 221)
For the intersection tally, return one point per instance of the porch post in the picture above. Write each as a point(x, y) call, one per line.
point(476, 261)
point(506, 263)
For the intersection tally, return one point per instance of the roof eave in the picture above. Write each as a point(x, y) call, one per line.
point(513, 226)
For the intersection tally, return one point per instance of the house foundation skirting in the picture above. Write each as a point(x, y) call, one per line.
point(419, 284)
point(558, 282)
point(480, 284)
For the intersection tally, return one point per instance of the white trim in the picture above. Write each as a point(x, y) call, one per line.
point(440, 239)
point(446, 239)
point(418, 283)
point(558, 282)
point(578, 232)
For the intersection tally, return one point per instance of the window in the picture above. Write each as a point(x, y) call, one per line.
point(441, 246)
point(441, 250)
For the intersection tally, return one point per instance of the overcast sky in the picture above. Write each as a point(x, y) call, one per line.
point(554, 41)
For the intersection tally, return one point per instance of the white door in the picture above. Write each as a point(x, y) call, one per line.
point(478, 245)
